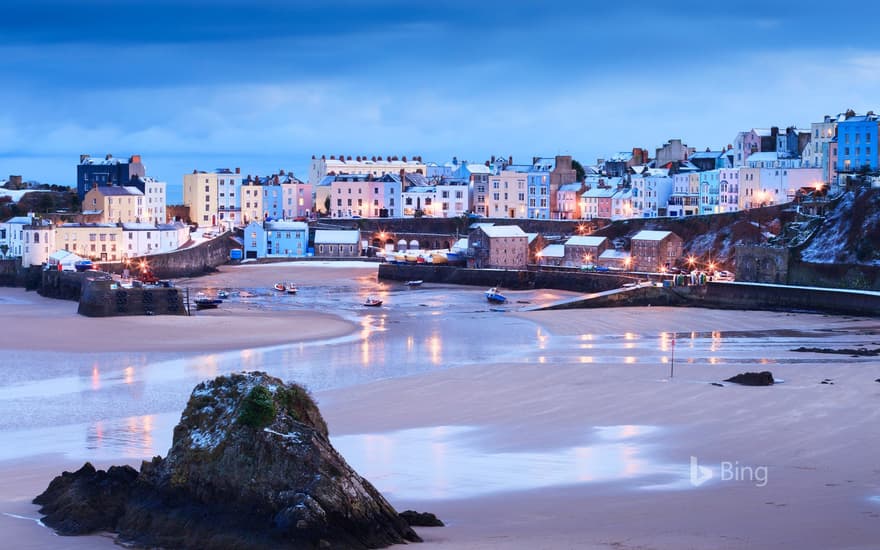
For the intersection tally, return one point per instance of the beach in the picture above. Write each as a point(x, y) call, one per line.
point(584, 440)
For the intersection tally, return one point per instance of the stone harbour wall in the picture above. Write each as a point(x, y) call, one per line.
point(103, 298)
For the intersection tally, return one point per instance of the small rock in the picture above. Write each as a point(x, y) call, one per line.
point(421, 519)
point(878, 380)
point(764, 378)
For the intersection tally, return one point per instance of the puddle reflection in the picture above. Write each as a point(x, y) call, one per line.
point(445, 462)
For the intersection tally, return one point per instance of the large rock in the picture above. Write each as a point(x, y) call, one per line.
point(250, 467)
point(764, 378)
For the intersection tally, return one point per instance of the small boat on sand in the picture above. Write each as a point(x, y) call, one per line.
point(290, 288)
point(279, 287)
point(495, 297)
point(204, 302)
point(414, 283)
point(372, 301)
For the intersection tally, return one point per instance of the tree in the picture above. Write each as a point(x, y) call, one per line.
point(579, 170)
point(327, 204)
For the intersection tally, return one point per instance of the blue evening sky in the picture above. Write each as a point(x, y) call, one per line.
point(265, 84)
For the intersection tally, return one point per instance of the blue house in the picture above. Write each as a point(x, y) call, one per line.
point(538, 198)
point(276, 239)
point(91, 172)
point(857, 143)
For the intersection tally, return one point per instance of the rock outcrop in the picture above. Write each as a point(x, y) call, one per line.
point(250, 467)
point(421, 519)
point(764, 378)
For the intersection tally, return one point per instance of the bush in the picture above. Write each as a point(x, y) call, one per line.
point(258, 408)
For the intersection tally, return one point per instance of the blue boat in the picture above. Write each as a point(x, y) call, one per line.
point(495, 297)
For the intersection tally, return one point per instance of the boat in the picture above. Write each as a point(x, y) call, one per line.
point(439, 258)
point(83, 265)
point(417, 282)
point(222, 294)
point(290, 288)
point(412, 256)
point(204, 302)
point(372, 301)
point(279, 287)
point(494, 296)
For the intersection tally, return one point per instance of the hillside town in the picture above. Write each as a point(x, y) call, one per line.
point(123, 212)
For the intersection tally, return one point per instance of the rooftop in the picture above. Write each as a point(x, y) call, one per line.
point(647, 235)
point(584, 240)
point(337, 236)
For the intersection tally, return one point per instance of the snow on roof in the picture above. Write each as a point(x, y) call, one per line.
point(337, 236)
point(493, 231)
point(532, 236)
point(764, 156)
point(138, 226)
point(706, 155)
point(460, 244)
point(582, 240)
point(553, 251)
point(613, 254)
point(647, 235)
point(624, 156)
point(286, 226)
point(570, 187)
point(116, 190)
point(600, 192)
point(763, 132)
point(23, 220)
point(478, 169)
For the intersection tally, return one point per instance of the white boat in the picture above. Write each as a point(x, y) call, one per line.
point(494, 296)
point(290, 288)
point(417, 282)
point(372, 301)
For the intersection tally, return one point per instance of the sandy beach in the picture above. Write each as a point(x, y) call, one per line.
point(585, 445)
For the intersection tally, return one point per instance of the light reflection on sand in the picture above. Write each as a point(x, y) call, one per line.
point(447, 462)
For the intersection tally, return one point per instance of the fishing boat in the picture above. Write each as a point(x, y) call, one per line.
point(290, 288)
point(414, 283)
point(372, 301)
point(495, 297)
point(279, 287)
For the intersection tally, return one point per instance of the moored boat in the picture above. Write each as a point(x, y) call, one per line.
point(417, 282)
point(222, 294)
point(372, 301)
point(279, 287)
point(494, 296)
point(204, 302)
point(439, 258)
point(290, 288)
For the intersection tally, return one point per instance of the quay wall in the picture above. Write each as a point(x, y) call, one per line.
point(745, 296)
point(504, 278)
point(100, 299)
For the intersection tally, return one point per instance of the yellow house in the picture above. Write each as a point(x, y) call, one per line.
point(114, 204)
point(200, 194)
point(96, 241)
point(252, 202)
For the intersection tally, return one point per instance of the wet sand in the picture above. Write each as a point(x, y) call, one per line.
point(816, 440)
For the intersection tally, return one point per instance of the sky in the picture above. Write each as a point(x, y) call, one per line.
point(264, 85)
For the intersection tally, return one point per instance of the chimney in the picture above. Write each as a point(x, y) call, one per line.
point(402, 175)
point(82, 158)
point(281, 171)
point(487, 163)
point(135, 159)
point(237, 170)
point(510, 159)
